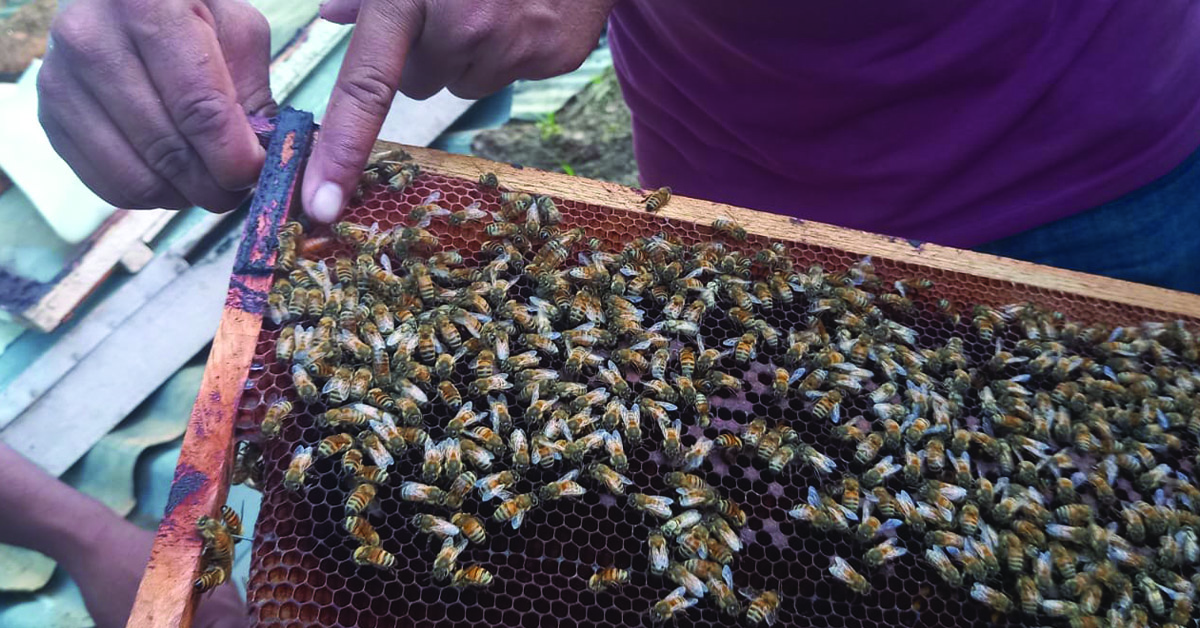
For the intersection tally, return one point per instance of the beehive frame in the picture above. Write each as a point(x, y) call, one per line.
point(165, 598)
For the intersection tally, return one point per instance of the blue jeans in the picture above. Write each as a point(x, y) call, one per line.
point(1151, 235)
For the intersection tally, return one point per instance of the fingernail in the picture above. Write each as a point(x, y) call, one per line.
point(326, 202)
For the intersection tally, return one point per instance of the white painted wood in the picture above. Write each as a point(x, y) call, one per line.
point(419, 122)
point(136, 257)
point(77, 344)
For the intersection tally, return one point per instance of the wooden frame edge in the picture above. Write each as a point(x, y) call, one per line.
point(166, 596)
point(814, 233)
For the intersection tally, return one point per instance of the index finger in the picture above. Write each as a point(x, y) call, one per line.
point(361, 98)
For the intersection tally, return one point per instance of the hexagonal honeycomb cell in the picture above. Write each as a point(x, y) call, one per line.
point(303, 573)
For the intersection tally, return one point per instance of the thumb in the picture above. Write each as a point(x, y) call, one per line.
point(361, 99)
point(340, 11)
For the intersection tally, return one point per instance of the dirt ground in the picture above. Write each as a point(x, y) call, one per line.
point(590, 136)
point(23, 36)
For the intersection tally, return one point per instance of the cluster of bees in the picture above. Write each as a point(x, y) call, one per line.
point(1007, 472)
point(1003, 473)
point(218, 536)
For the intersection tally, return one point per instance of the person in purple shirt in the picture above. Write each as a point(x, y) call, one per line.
point(1055, 131)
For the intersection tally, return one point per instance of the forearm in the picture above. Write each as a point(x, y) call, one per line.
point(39, 512)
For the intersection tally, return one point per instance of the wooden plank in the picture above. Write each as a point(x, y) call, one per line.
point(293, 65)
point(128, 364)
point(817, 234)
point(153, 230)
point(125, 229)
point(77, 345)
point(165, 596)
point(136, 257)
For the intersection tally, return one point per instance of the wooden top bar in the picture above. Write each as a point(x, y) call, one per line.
point(815, 233)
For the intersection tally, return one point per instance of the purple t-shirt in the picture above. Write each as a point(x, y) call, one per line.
point(948, 121)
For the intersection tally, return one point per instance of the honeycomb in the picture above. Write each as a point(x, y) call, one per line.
point(303, 574)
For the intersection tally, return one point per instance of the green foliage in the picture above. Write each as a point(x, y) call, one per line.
point(549, 127)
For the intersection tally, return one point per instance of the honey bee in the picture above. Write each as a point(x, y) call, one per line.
point(449, 394)
point(212, 577)
point(459, 489)
point(678, 573)
point(302, 381)
point(606, 477)
point(721, 530)
point(744, 347)
point(302, 459)
point(763, 607)
point(352, 462)
point(851, 578)
point(247, 467)
point(658, 551)
point(447, 558)
point(297, 306)
point(273, 420)
point(882, 470)
point(693, 542)
point(422, 493)
point(657, 199)
point(654, 504)
point(829, 406)
point(429, 524)
point(607, 578)
point(994, 599)
point(489, 180)
point(514, 509)
point(218, 544)
point(666, 608)
point(883, 552)
point(632, 424)
point(374, 447)
point(404, 176)
point(360, 498)
point(730, 228)
point(868, 448)
point(566, 486)
point(616, 451)
point(695, 455)
point(361, 529)
point(782, 457)
point(374, 556)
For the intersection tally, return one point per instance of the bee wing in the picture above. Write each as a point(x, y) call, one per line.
point(890, 525)
point(796, 375)
point(573, 489)
point(837, 566)
point(570, 476)
point(814, 498)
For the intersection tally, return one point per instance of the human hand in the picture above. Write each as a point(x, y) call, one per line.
point(147, 99)
point(473, 47)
